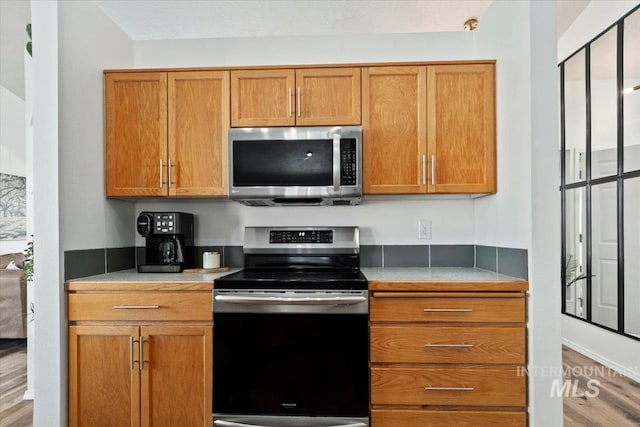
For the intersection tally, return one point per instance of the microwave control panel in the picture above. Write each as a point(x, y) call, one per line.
point(348, 162)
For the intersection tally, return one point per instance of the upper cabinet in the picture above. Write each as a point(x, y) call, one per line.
point(136, 133)
point(166, 133)
point(429, 129)
point(300, 97)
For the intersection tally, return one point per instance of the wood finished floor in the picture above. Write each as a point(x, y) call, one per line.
point(14, 411)
point(617, 404)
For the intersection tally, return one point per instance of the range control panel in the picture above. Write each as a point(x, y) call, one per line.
point(300, 236)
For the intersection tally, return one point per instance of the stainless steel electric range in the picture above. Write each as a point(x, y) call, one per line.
point(291, 332)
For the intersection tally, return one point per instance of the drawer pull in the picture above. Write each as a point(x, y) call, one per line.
point(135, 307)
point(429, 345)
point(430, 388)
point(447, 310)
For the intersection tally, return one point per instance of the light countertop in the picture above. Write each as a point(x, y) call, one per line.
point(394, 278)
point(441, 278)
point(121, 279)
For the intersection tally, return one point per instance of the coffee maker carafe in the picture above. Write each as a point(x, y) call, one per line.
point(169, 241)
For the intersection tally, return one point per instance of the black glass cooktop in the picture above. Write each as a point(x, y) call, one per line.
point(326, 279)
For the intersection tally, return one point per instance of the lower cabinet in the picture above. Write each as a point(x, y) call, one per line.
point(444, 359)
point(139, 373)
point(448, 418)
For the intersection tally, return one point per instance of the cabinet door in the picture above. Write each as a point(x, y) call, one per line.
point(394, 130)
point(104, 378)
point(136, 134)
point(198, 123)
point(262, 98)
point(461, 135)
point(176, 376)
point(328, 96)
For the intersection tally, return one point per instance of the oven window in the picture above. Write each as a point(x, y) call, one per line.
point(291, 364)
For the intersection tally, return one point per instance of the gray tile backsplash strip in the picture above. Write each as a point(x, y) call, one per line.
point(509, 261)
point(85, 262)
point(233, 256)
point(371, 256)
point(406, 255)
point(120, 259)
point(513, 262)
point(452, 256)
point(487, 257)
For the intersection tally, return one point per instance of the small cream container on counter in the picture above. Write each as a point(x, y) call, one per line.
point(210, 260)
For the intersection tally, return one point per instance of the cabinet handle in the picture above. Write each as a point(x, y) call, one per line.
point(141, 364)
point(431, 388)
point(135, 307)
point(289, 103)
point(433, 170)
point(429, 345)
point(298, 101)
point(424, 169)
point(447, 310)
point(170, 180)
point(132, 361)
point(161, 177)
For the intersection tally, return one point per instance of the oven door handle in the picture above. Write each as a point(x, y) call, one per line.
point(234, 299)
point(223, 423)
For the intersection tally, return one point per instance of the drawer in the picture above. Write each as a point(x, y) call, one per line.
point(446, 309)
point(503, 387)
point(141, 306)
point(447, 344)
point(423, 418)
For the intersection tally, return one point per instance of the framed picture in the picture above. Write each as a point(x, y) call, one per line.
point(13, 207)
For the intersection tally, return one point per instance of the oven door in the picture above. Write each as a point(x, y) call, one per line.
point(269, 365)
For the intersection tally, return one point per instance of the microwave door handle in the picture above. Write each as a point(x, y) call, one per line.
point(336, 162)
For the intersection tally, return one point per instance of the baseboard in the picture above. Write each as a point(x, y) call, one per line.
point(28, 395)
point(629, 372)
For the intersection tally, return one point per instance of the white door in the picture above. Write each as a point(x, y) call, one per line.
point(604, 238)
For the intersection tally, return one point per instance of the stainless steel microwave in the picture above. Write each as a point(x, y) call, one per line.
point(296, 165)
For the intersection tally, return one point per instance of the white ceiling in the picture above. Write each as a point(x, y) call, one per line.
point(187, 19)
point(192, 19)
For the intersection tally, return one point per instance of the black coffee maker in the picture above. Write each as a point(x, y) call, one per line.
point(169, 236)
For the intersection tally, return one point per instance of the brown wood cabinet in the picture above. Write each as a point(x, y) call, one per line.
point(140, 358)
point(166, 133)
point(447, 358)
point(429, 129)
point(295, 97)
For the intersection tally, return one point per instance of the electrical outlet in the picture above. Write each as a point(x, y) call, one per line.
point(424, 229)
